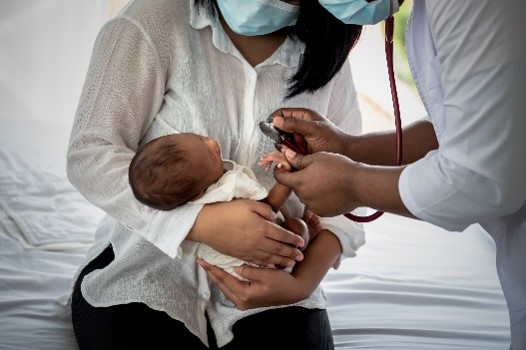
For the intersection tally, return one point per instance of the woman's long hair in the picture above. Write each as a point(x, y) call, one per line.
point(327, 40)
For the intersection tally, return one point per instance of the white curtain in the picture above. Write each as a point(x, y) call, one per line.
point(45, 48)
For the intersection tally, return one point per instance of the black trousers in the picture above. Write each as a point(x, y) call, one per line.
point(136, 326)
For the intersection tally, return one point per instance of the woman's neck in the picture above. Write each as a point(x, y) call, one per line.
point(255, 49)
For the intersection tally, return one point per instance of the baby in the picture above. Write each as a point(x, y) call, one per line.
point(179, 168)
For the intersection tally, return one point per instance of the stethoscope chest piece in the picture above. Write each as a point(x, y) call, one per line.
point(268, 129)
point(278, 137)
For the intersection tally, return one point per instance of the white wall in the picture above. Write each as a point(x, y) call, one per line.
point(369, 68)
point(45, 47)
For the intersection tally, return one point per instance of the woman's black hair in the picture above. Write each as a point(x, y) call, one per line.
point(327, 40)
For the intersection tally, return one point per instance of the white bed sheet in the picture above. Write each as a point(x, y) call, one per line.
point(412, 286)
point(416, 286)
point(36, 273)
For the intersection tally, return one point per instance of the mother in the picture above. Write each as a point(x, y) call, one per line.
point(218, 69)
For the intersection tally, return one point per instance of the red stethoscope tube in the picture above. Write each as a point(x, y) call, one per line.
point(389, 32)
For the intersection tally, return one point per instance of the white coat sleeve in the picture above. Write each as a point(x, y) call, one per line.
point(478, 173)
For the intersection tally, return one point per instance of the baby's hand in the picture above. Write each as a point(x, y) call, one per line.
point(275, 157)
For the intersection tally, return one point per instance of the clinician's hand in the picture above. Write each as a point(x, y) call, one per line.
point(322, 181)
point(245, 229)
point(319, 133)
point(330, 184)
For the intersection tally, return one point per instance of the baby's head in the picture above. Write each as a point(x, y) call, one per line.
point(174, 169)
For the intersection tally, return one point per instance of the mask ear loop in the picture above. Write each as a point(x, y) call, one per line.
point(389, 33)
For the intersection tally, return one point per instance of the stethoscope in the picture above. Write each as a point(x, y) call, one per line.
point(287, 139)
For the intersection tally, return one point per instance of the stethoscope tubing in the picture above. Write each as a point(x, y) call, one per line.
point(389, 33)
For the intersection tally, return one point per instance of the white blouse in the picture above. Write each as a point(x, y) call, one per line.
point(163, 65)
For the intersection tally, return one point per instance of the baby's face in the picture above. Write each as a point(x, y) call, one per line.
point(205, 158)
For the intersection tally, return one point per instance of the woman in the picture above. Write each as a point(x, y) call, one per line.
point(217, 69)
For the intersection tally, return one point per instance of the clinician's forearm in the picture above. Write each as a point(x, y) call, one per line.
point(379, 148)
point(377, 187)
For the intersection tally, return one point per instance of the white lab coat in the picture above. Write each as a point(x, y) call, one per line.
point(468, 61)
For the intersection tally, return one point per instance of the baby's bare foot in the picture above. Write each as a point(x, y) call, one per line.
point(313, 223)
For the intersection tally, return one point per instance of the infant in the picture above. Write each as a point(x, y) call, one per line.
point(179, 168)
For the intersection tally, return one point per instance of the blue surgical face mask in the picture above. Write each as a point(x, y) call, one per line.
point(360, 11)
point(257, 17)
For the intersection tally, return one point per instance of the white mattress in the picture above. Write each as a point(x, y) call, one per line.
point(412, 286)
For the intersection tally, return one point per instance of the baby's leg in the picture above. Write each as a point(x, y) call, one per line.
point(313, 223)
point(299, 227)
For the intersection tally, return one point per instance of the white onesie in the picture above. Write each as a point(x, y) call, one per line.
point(237, 182)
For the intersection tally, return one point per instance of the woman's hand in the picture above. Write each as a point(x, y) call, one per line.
point(267, 286)
point(245, 229)
point(311, 131)
point(272, 287)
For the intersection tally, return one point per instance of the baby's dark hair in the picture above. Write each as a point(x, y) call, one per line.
point(327, 40)
point(159, 176)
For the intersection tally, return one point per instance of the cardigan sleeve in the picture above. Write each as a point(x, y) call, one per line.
point(123, 92)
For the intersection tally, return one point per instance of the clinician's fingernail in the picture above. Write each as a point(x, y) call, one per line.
point(290, 153)
point(278, 121)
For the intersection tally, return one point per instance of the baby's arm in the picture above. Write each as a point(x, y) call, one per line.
point(307, 228)
point(275, 157)
point(279, 193)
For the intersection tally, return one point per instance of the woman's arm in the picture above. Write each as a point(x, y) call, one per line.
point(113, 115)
